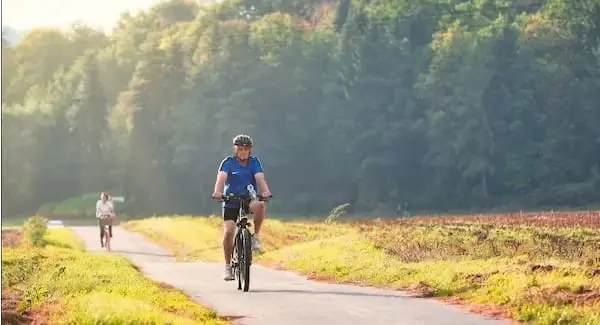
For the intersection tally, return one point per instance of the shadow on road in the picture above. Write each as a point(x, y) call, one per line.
point(140, 253)
point(340, 293)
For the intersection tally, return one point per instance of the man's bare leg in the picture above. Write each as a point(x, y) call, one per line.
point(258, 210)
point(228, 232)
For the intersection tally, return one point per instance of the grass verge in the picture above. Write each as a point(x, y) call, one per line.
point(537, 272)
point(192, 238)
point(61, 284)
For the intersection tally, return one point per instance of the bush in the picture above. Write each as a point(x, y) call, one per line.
point(35, 229)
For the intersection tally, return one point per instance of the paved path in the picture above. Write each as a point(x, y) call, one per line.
point(280, 297)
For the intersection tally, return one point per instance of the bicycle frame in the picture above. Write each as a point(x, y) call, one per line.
point(242, 219)
point(244, 210)
point(106, 238)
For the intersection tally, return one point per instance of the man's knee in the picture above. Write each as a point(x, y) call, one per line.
point(228, 228)
point(257, 207)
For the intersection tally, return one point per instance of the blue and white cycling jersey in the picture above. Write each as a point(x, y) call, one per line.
point(239, 177)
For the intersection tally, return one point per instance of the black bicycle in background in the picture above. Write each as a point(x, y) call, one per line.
point(241, 258)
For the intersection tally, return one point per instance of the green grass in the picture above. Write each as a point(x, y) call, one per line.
point(193, 238)
point(12, 222)
point(70, 286)
point(65, 238)
point(84, 205)
point(538, 274)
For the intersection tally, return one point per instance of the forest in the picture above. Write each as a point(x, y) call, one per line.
point(432, 105)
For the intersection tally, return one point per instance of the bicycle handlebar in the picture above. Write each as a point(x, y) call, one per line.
point(243, 197)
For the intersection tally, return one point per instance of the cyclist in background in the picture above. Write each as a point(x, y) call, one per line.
point(235, 173)
point(105, 212)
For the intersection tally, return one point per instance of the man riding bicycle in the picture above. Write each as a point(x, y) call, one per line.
point(105, 212)
point(235, 173)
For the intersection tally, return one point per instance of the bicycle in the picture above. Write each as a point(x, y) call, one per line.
point(241, 258)
point(106, 226)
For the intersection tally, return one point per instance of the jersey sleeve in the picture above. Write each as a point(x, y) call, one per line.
point(256, 166)
point(225, 165)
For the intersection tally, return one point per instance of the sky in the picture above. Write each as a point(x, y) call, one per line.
point(24, 15)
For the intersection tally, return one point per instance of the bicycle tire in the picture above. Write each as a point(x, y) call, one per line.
point(247, 258)
point(238, 254)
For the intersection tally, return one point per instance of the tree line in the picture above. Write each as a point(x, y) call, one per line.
point(432, 104)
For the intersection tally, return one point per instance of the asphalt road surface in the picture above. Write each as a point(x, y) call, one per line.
point(280, 297)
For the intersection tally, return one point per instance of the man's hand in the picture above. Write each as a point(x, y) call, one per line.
point(267, 194)
point(217, 196)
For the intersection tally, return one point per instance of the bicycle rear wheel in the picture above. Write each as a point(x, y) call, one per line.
point(107, 240)
point(246, 259)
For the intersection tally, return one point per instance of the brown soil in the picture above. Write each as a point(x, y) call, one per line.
point(562, 219)
point(11, 238)
point(232, 318)
point(10, 302)
point(492, 311)
point(542, 268)
point(561, 297)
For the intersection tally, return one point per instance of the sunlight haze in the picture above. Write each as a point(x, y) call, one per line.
point(27, 14)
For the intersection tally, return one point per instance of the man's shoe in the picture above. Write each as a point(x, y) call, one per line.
point(228, 274)
point(255, 243)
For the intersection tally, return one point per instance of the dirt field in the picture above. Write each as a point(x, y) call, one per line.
point(11, 238)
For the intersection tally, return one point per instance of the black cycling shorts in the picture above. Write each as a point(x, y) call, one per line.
point(231, 214)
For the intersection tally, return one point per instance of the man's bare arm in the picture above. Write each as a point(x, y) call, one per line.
point(220, 183)
point(261, 182)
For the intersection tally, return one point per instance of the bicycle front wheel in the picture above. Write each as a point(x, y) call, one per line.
point(237, 259)
point(245, 262)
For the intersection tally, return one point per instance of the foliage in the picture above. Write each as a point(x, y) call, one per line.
point(192, 238)
point(70, 286)
point(535, 268)
point(65, 238)
point(83, 205)
point(35, 229)
point(336, 213)
point(443, 105)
